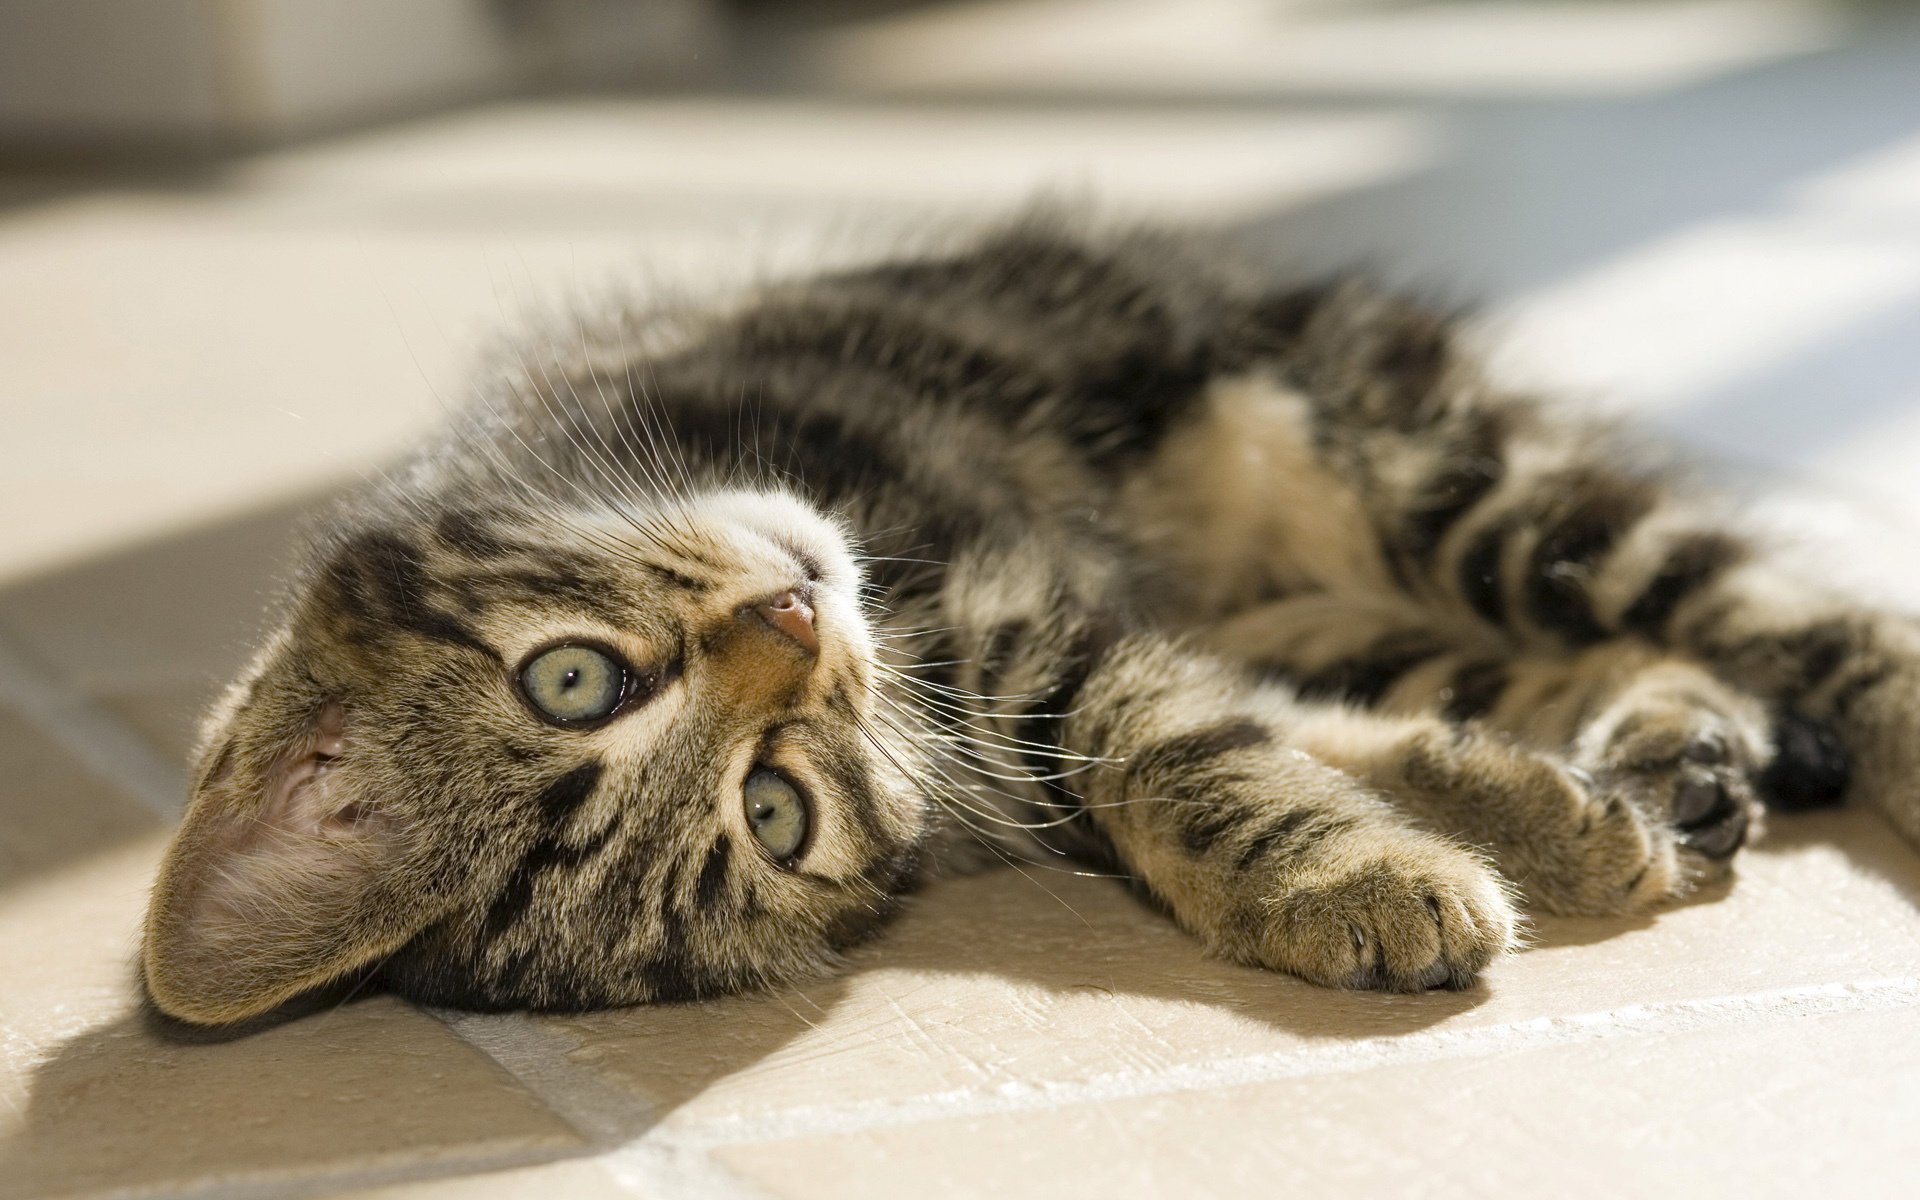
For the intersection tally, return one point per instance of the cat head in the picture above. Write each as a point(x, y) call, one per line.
point(503, 758)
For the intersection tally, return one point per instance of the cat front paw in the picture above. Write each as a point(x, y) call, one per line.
point(1409, 918)
point(1689, 759)
point(1710, 798)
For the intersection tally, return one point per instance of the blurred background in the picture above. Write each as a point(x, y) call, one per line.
point(248, 247)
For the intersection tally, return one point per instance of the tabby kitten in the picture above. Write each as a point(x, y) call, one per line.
point(669, 670)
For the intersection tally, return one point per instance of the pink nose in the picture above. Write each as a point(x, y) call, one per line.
point(790, 613)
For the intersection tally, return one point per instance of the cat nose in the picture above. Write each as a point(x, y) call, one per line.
point(791, 614)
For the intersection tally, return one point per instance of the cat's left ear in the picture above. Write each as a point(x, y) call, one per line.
point(286, 873)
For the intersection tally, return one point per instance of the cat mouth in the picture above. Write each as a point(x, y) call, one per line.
point(808, 562)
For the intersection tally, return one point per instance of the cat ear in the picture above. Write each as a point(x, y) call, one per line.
point(284, 875)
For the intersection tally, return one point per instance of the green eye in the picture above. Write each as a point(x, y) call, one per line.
point(776, 812)
point(574, 685)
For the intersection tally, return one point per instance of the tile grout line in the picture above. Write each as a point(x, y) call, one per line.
point(624, 1131)
point(651, 1159)
point(106, 745)
point(114, 753)
point(604, 1116)
point(321, 1181)
point(1341, 1057)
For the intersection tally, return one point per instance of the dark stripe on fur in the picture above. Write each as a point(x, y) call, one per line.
point(1203, 820)
point(1187, 753)
point(391, 570)
point(559, 584)
point(856, 792)
point(1367, 677)
point(1480, 574)
point(1045, 726)
point(465, 530)
point(670, 971)
point(712, 884)
point(1450, 495)
point(1691, 564)
point(1128, 364)
point(912, 353)
point(1593, 513)
point(559, 800)
point(1474, 690)
point(1290, 834)
point(549, 853)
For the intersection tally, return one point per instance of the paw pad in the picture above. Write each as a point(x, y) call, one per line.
point(1712, 820)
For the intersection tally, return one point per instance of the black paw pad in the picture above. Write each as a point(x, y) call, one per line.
point(1809, 768)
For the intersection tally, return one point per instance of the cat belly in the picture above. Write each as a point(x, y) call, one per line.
point(1238, 507)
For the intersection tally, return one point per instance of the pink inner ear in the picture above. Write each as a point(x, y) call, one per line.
point(302, 797)
point(276, 886)
point(313, 838)
point(329, 731)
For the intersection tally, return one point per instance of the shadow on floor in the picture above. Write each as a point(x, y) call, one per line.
point(148, 635)
point(1067, 970)
point(140, 1079)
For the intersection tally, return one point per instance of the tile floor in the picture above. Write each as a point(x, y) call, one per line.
point(1705, 212)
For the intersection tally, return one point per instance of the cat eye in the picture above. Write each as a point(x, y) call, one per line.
point(575, 684)
point(776, 813)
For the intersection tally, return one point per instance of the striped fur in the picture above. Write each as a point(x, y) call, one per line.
point(1266, 600)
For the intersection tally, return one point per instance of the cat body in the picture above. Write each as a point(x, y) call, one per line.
point(696, 645)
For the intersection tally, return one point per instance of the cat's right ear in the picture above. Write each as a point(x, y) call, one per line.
point(289, 870)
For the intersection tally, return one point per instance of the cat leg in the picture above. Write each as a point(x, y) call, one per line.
point(1554, 534)
point(1844, 677)
point(1593, 745)
point(1573, 843)
point(1192, 785)
point(1271, 855)
point(1690, 630)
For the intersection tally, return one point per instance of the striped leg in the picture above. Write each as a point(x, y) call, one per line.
point(1547, 533)
point(1202, 797)
point(1849, 676)
point(1570, 554)
point(1573, 843)
point(1618, 726)
point(1269, 855)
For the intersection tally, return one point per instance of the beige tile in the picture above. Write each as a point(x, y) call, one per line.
point(168, 375)
point(53, 810)
point(573, 163)
point(98, 1099)
point(177, 613)
point(993, 985)
point(574, 1180)
point(167, 718)
point(1256, 49)
point(1814, 1105)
